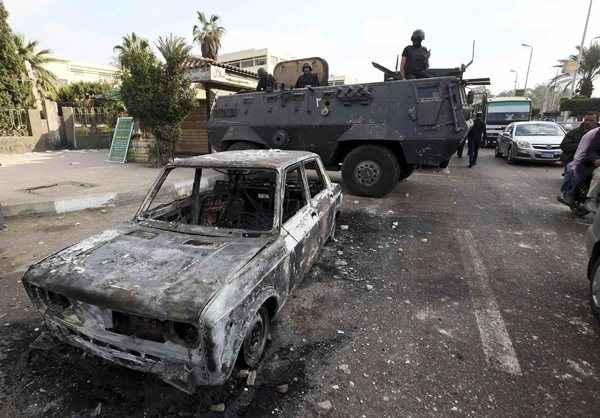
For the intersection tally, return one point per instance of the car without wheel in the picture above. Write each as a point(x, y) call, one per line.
point(189, 286)
point(531, 141)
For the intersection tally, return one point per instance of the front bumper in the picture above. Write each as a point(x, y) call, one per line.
point(532, 154)
point(176, 365)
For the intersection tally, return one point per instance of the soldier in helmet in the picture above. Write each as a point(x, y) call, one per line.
point(307, 78)
point(266, 82)
point(415, 58)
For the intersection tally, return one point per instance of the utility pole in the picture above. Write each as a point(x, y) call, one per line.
point(528, 65)
point(587, 20)
point(516, 81)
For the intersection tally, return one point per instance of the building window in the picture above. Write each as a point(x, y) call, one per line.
point(247, 63)
point(260, 61)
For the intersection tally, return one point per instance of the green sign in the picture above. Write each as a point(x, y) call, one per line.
point(120, 141)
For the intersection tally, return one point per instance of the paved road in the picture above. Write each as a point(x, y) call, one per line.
point(462, 294)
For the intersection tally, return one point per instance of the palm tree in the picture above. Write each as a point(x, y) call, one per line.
point(208, 34)
point(131, 46)
point(589, 69)
point(44, 81)
point(174, 51)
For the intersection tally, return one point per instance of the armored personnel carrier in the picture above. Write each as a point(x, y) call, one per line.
point(375, 133)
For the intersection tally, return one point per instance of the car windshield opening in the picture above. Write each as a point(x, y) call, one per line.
point(538, 129)
point(217, 198)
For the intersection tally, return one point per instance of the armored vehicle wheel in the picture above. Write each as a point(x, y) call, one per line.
point(242, 146)
point(255, 342)
point(370, 170)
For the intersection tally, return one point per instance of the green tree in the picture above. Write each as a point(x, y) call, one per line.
point(589, 70)
point(159, 94)
point(80, 90)
point(43, 81)
point(208, 34)
point(14, 88)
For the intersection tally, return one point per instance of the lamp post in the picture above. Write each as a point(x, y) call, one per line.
point(516, 80)
point(528, 65)
point(587, 20)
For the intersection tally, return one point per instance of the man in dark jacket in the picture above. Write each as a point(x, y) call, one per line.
point(415, 58)
point(474, 136)
point(572, 138)
point(266, 82)
point(585, 161)
point(307, 78)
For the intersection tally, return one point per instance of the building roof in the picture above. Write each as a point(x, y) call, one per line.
point(261, 158)
point(200, 62)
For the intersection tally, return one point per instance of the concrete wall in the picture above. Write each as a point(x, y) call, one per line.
point(39, 140)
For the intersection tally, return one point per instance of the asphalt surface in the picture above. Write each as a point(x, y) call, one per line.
point(463, 293)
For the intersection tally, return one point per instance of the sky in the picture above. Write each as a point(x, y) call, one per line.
point(348, 34)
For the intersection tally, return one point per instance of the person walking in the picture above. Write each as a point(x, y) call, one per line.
point(474, 137)
point(415, 58)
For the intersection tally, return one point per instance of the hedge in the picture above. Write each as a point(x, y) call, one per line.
point(579, 105)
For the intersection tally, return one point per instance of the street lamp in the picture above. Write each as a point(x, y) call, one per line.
point(587, 20)
point(516, 80)
point(528, 65)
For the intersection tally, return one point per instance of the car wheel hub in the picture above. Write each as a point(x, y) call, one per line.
point(255, 342)
point(367, 173)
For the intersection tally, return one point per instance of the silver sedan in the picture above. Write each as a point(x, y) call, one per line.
point(531, 141)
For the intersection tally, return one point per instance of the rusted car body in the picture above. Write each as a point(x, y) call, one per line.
point(195, 277)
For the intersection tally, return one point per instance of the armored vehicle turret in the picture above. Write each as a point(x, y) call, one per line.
point(375, 133)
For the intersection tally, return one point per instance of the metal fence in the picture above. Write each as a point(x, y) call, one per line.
point(14, 122)
point(93, 127)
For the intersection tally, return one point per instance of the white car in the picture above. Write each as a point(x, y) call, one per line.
point(531, 141)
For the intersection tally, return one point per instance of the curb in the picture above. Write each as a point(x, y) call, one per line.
point(56, 207)
point(75, 204)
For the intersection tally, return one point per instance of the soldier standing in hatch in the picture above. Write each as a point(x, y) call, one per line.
point(475, 135)
point(307, 78)
point(415, 58)
point(266, 82)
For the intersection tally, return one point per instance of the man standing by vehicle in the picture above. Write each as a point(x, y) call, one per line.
point(307, 78)
point(474, 137)
point(415, 58)
point(569, 147)
point(585, 160)
point(572, 138)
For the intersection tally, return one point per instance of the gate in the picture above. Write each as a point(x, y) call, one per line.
point(93, 127)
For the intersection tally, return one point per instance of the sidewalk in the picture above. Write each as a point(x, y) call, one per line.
point(65, 181)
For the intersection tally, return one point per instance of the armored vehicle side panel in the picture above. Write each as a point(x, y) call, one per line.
point(418, 122)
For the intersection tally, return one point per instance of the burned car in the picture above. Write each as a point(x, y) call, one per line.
point(192, 282)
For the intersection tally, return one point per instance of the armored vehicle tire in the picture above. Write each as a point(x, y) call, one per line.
point(370, 170)
point(243, 146)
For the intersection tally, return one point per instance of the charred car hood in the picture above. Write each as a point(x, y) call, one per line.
point(146, 271)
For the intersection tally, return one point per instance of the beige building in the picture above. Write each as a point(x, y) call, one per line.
point(252, 59)
point(340, 80)
point(68, 71)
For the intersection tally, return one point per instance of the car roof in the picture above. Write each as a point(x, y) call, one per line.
point(259, 158)
point(537, 122)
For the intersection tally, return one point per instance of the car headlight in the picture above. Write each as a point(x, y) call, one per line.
point(523, 144)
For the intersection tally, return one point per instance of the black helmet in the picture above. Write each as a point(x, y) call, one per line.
point(306, 65)
point(418, 36)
